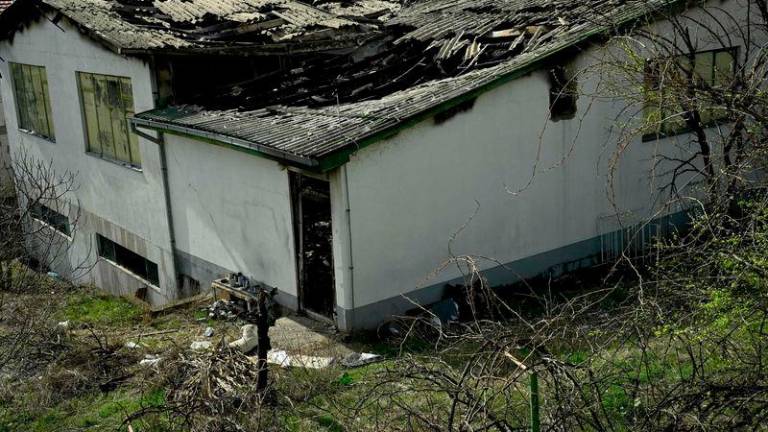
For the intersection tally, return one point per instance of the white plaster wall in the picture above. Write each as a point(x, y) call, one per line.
point(411, 194)
point(131, 200)
point(233, 210)
point(473, 178)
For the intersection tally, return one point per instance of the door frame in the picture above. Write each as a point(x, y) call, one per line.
point(294, 177)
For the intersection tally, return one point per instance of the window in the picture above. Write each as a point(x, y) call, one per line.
point(563, 94)
point(107, 103)
point(663, 110)
point(51, 217)
point(133, 262)
point(33, 105)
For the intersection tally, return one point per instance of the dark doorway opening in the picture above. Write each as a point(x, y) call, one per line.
point(313, 232)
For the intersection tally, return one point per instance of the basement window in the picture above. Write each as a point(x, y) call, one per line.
point(563, 94)
point(107, 102)
point(131, 261)
point(33, 103)
point(51, 217)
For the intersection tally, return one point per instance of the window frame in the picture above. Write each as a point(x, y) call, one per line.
point(563, 93)
point(683, 130)
point(50, 134)
point(42, 214)
point(151, 274)
point(89, 148)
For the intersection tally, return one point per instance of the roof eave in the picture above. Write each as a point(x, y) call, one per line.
point(229, 141)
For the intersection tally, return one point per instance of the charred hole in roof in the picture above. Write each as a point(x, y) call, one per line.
point(425, 41)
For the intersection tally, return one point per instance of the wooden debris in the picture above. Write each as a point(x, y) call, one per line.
point(508, 33)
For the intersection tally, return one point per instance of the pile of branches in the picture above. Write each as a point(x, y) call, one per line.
point(212, 391)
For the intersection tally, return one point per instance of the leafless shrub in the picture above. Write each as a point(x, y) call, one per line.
point(212, 391)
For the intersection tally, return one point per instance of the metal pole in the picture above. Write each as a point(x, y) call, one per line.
point(262, 328)
point(535, 415)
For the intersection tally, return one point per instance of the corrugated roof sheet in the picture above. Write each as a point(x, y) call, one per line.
point(205, 25)
point(310, 133)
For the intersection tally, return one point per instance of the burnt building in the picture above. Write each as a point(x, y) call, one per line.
point(348, 153)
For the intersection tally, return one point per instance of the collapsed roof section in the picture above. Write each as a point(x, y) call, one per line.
point(439, 53)
point(424, 41)
point(220, 26)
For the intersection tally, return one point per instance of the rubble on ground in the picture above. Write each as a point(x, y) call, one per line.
point(224, 310)
point(150, 360)
point(359, 359)
point(283, 359)
point(201, 345)
point(248, 339)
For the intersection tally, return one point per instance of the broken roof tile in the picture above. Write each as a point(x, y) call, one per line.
point(204, 25)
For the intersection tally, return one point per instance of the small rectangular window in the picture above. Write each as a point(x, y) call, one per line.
point(563, 94)
point(107, 102)
point(131, 261)
point(33, 103)
point(662, 110)
point(51, 217)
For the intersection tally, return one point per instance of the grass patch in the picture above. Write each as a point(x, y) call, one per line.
point(101, 310)
point(102, 412)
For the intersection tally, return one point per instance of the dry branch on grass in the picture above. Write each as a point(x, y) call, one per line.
point(210, 391)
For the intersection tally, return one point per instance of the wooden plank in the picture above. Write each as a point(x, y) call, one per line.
point(126, 92)
point(88, 97)
point(508, 33)
point(48, 110)
point(106, 134)
point(119, 123)
point(232, 292)
point(17, 74)
point(41, 122)
point(29, 98)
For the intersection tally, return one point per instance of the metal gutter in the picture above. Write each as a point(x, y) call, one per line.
point(226, 139)
point(160, 141)
point(350, 292)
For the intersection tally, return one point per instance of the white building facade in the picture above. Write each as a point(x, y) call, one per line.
point(122, 203)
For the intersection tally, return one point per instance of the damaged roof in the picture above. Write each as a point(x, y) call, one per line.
point(135, 26)
point(404, 60)
point(439, 54)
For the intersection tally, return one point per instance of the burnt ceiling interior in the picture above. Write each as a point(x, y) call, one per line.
point(372, 47)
